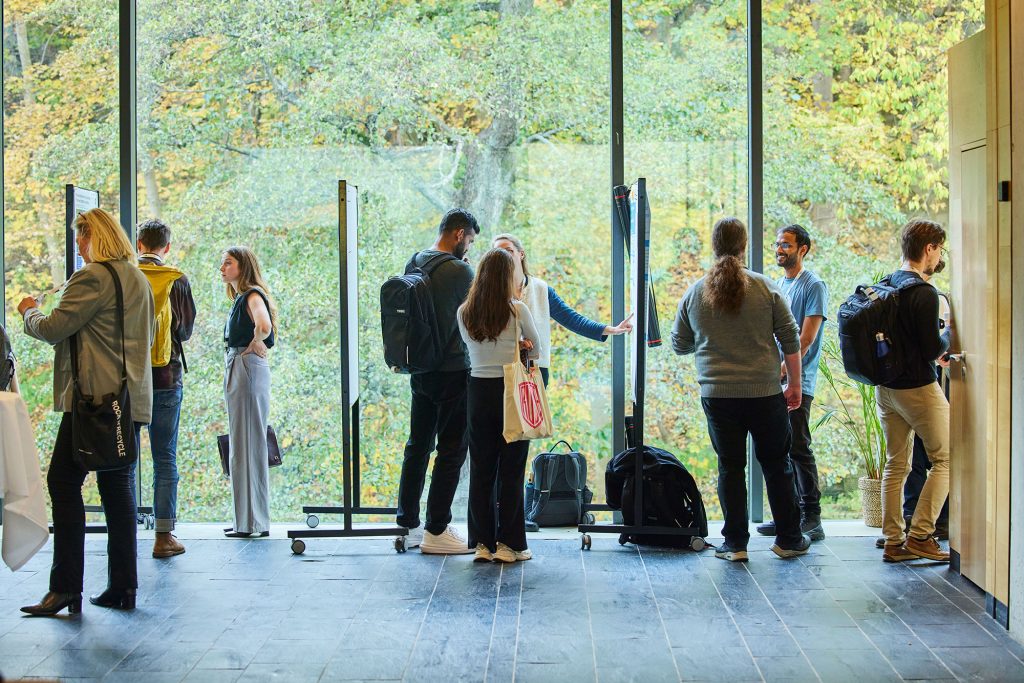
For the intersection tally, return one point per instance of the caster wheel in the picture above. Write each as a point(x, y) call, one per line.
point(400, 544)
point(585, 542)
point(697, 544)
point(312, 521)
point(623, 539)
point(298, 546)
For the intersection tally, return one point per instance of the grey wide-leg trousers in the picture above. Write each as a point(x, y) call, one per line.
point(247, 395)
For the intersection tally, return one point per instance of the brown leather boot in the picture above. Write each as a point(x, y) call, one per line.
point(166, 545)
point(928, 549)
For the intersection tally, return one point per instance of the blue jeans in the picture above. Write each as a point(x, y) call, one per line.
point(163, 440)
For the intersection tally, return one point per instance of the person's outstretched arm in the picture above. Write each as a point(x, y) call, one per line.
point(575, 322)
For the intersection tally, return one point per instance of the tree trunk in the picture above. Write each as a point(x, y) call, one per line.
point(52, 235)
point(823, 215)
point(148, 162)
point(491, 157)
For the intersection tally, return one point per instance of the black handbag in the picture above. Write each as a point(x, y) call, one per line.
point(273, 451)
point(103, 434)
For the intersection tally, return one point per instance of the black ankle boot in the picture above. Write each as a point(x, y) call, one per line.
point(55, 602)
point(123, 598)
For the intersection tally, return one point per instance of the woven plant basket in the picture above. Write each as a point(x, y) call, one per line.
point(871, 501)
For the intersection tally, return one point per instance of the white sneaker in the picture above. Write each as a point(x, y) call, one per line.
point(506, 554)
point(414, 538)
point(448, 542)
point(483, 553)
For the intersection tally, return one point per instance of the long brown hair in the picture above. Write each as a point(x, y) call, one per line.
point(488, 306)
point(249, 276)
point(725, 285)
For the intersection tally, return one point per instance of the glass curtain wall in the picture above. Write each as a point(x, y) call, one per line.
point(60, 109)
point(249, 115)
point(856, 143)
point(685, 89)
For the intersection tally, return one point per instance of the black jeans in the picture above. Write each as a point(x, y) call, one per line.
point(766, 421)
point(915, 482)
point(496, 470)
point(803, 459)
point(438, 414)
point(64, 481)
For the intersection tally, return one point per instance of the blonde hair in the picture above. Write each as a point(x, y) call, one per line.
point(249, 276)
point(107, 240)
point(515, 243)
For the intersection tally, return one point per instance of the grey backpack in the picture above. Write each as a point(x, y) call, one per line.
point(557, 491)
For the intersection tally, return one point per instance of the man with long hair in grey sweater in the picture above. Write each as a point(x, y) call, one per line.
point(735, 321)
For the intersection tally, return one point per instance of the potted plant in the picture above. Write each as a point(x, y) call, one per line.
point(856, 410)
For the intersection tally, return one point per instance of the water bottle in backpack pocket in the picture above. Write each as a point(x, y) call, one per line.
point(557, 490)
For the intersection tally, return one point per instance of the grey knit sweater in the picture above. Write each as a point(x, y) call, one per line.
point(737, 353)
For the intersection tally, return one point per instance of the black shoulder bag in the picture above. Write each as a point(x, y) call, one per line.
point(103, 434)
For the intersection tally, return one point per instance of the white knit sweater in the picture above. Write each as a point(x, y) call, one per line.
point(535, 296)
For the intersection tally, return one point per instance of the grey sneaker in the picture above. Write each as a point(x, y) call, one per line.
point(788, 552)
point(766, 529)
point(414, 538)
point(811, 525)
point(448, 542)
point(731, 553)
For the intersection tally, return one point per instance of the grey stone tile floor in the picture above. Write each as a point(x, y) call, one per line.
point(354, 610)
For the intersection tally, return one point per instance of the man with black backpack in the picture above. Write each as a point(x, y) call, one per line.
point(438, 394)
point(913, 402)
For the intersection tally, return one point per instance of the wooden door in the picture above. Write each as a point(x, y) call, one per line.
point(972, 303)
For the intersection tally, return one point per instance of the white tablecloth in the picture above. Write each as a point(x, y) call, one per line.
point(25, 526)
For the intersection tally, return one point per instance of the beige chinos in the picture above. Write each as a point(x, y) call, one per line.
point(903, 412)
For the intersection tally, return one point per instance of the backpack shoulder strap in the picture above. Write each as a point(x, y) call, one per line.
point(435, 261)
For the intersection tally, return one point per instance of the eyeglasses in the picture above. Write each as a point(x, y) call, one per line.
point(784, 246)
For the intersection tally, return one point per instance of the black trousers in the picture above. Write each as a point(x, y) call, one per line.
point(496, 471)
point(437, 416)
point(64, 481)
point(803, 459)
point(730, 420)
point(915, 482)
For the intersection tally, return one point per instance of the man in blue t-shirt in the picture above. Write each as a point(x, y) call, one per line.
point(808, 300)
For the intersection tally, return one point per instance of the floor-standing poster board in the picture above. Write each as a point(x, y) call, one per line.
point(76, 200)
point(640, 340)
point(348, 303)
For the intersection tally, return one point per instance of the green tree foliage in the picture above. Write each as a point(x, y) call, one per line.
point(248, 114)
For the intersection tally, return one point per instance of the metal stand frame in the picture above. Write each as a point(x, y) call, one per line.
point(348, 220)
point(636, 430)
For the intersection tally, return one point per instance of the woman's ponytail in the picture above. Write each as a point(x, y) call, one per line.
point(725, 285)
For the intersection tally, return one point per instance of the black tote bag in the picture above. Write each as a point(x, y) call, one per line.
point(103, 434)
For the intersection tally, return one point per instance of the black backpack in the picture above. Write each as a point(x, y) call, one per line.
point(557, 490)
point(412, 342)
point(6, 361)
point(671, 496)
point(870, 337)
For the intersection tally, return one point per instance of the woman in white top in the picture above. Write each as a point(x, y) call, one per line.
point(495, 327)
point(545, 305)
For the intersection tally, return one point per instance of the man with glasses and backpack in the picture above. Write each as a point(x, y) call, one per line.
point(421, 338)
point(891, 336)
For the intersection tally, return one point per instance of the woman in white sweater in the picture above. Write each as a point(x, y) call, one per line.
point(495, 327)
point(546, 305)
